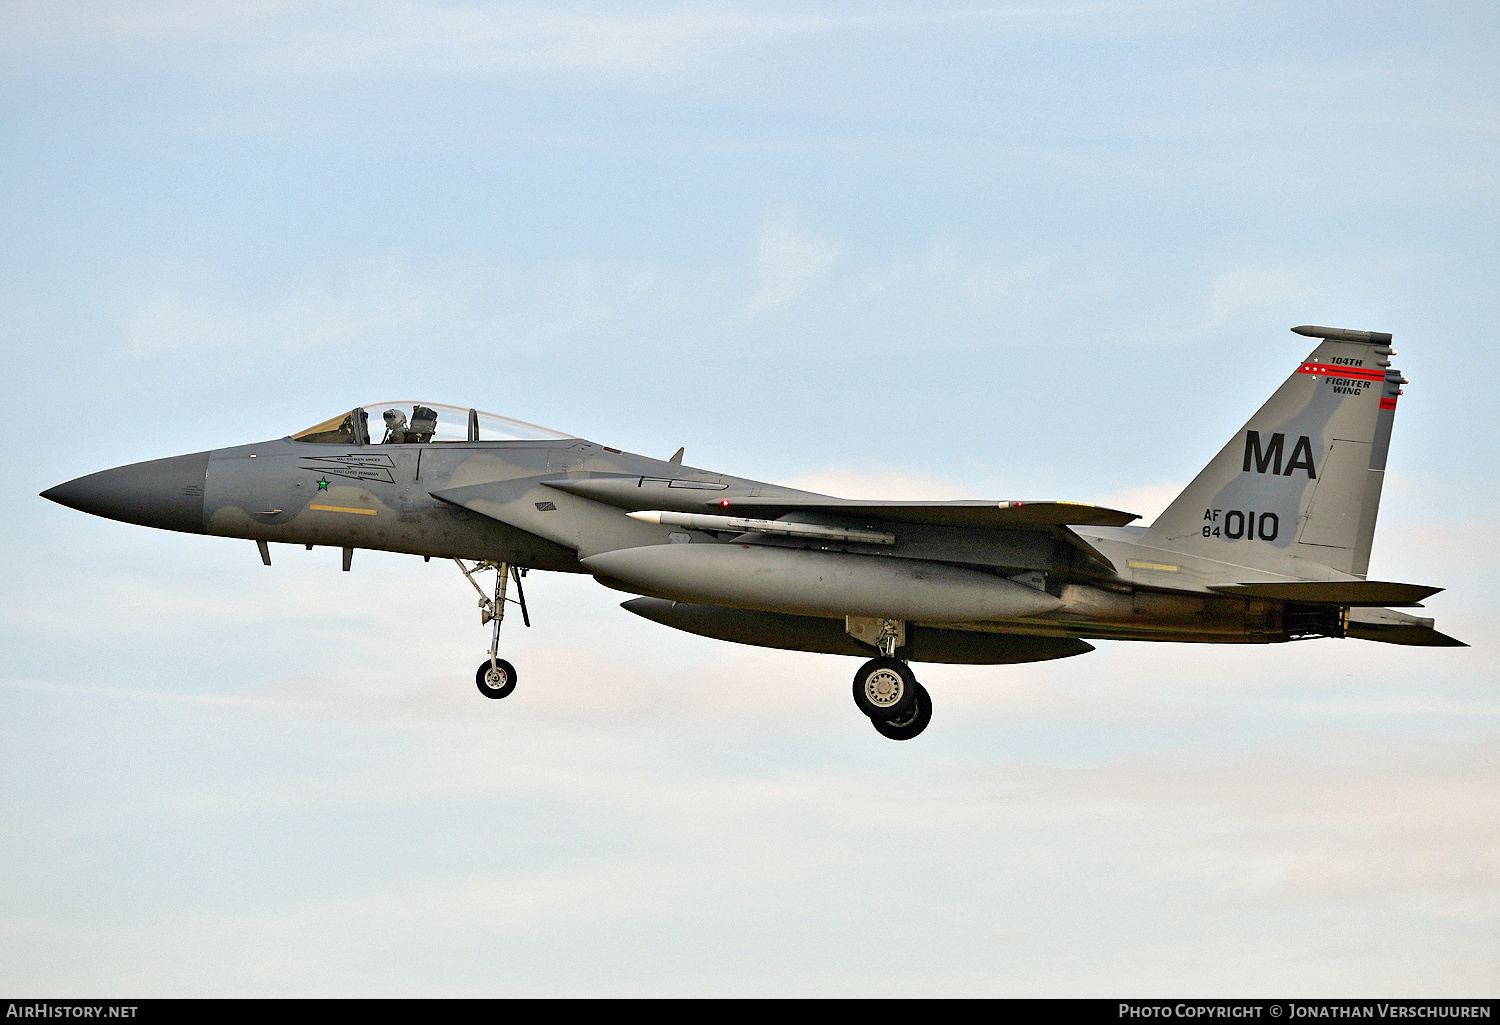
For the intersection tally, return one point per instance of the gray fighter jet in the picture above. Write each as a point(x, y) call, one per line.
point(1269, 543)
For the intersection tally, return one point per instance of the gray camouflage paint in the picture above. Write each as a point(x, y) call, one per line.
point(1325, 511)
point(976, 582)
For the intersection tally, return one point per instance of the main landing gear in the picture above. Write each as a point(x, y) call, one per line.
point(898, 706)
point(496, 678)
point(886, 690)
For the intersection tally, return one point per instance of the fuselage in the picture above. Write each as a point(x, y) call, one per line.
point(499, 501)
point(1270, 542)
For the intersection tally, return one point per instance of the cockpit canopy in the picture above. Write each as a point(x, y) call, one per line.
point(421, 423)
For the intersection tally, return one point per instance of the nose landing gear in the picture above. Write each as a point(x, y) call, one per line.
point(496, 677)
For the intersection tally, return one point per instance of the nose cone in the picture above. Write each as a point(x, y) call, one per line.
point(166, 493)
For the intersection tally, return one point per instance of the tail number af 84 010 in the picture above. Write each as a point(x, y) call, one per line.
point(1235, 524)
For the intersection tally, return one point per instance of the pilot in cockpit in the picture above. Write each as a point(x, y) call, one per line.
point(395, 427)
point(418, 431)
point(416, 424)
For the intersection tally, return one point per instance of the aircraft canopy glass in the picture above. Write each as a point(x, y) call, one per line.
point(419, 423)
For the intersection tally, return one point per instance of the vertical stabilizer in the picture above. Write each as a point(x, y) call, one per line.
point(1297, 490)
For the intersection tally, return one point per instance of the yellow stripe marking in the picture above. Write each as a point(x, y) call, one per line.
point(1163, 567)
point(342, 508)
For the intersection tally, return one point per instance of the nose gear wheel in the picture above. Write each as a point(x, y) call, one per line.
point(496, 678)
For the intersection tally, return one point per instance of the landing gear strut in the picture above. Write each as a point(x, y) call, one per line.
point(886, 690)
point(496, 677)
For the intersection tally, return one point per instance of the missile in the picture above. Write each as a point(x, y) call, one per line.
point(830, 584)
point(744, 525)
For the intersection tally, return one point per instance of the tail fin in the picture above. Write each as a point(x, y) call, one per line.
point(1296, 491)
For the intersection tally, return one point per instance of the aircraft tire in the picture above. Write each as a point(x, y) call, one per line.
point(491, 687)
point(914, 723)
point(881, 679)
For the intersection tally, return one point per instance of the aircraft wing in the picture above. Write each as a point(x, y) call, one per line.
point(641, 493)
point(990, 515)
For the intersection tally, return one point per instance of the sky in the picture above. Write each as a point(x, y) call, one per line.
point(939, 250)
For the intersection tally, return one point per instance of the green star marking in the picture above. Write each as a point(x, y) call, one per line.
point(323, 484)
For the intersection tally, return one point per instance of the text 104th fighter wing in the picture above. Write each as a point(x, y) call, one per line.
point(1270, 543)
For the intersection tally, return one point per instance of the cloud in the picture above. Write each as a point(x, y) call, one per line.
point(789, 263)
point(700, 855)
point(371, 303)
point(783, 276)
point(1329, 817)
point(408, 37)
point(466, 39)
point(470, 39)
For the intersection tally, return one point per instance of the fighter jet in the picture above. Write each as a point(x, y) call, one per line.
point(1269, 543)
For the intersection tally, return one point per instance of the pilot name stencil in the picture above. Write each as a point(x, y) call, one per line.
point(361, 467)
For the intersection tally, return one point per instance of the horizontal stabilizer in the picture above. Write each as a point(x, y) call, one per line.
point(1392, 627)
point(1333, 592)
